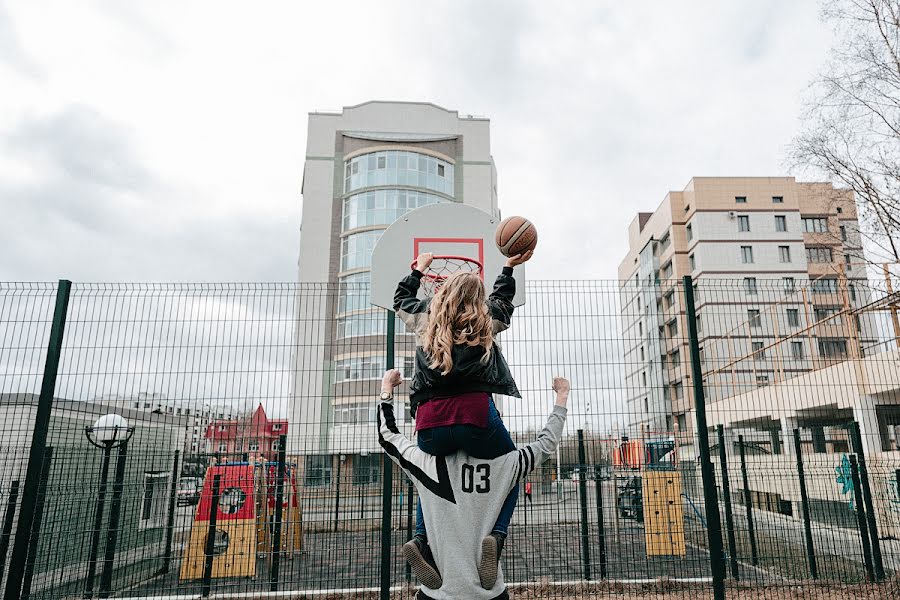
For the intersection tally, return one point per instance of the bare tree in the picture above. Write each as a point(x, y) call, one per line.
point(851, 131)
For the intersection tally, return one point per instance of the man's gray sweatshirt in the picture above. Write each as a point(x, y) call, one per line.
point(461, 498)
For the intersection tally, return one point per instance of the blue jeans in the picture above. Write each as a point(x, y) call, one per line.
point(487, 443)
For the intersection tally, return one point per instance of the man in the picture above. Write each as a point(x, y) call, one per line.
point(462, 496)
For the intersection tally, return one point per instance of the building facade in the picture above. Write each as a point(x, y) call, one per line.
point(197, 419)
point(770, 257)
point(365, 167)
point(256, 435)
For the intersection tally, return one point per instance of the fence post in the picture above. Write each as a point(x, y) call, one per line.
point(582, 499)
point(337, 493)
point(748, 504)
point(726, 497)
point(804, 503)
point(36, 526)
point(209, 550)
point(9, 516)
point(388, 481)
point(38, 445)
point(409, 521)
point(170, 517)
point(601, 526)
point(115, 512)
point(279, 511)
point(861, 519)
point(877, 562)
point(708, 476)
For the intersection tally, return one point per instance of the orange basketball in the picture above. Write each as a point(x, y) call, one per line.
point(516, 235)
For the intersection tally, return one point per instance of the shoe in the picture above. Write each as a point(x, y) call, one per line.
point(418, 554)
point(491, 547)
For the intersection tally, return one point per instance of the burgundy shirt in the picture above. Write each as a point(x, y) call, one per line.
point(465, 409)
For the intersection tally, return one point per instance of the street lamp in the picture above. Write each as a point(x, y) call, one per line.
point(108, 432)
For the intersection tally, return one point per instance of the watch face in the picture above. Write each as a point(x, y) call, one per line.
point(386, 396)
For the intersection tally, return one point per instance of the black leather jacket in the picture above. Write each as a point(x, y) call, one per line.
point(469, 374)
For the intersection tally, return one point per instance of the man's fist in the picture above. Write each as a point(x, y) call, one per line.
point(423, 261)
point(391, 379)
point(561, 387)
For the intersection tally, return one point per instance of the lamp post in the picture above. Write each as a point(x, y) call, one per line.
point(108, 432)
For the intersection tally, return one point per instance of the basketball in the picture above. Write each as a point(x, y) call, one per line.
point(516, 235)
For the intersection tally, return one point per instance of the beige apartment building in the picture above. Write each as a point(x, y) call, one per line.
point(771, 259)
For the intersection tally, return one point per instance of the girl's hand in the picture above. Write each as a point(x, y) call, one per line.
point(518, 259)
point(423, 261)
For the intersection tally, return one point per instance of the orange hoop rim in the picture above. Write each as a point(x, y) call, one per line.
point(437, 277)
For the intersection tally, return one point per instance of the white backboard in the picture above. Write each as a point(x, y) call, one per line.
point(446, 228)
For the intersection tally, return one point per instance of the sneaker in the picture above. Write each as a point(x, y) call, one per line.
point(418, 554)
point(491, 547)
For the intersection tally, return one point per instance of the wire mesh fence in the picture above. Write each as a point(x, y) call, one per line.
point(247, 459)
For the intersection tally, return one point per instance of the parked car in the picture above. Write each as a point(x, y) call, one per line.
point(189, 489)
point(631, 499)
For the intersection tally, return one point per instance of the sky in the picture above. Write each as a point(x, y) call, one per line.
point(164, 141)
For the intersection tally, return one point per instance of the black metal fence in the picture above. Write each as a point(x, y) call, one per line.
point(725, 438)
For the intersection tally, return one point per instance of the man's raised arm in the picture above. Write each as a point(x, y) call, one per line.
point(545, 445)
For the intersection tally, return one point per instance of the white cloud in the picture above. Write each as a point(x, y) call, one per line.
point(165, 140)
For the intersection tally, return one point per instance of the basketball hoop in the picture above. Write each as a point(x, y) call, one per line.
point(442, 267)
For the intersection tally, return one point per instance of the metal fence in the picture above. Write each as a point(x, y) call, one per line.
point(724, 438)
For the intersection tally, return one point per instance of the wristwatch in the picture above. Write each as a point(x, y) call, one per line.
point(386, 396)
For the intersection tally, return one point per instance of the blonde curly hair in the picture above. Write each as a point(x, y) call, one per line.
point(458, 315)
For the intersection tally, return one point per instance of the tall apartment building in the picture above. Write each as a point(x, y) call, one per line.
point(365, 167)
point(775, 255)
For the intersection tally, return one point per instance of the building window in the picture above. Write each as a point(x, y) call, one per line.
point(366, 469)
point(789, 284)
point(784, 254)
point(223, 446)
point(824, 312)
point(832, 348)
point(827, 285)
point(762, 380)
point(356, 249)
point(843, 233)
point(642, 353)
point(382, 207)
point(780, 223)
point(676, 358)
point(759, 352)
point(666, 270)
point(277, 427)
point(664, 242)
point(747, 254)
point(672, 328)
point(777, 199)
point(678, 391)
point(364, 367)
point(644, 378)
point(740, 199)
point(852, 289)
point(669, 299)
point(640, 329)
point(839, 210)
point(797, 350)
point(317, 471)
point(744, 223)
point(750, 285)
point(793, 317)
point(753, 317)
point(692, 262)
point(399, 168)
point(815, 224)
point(154, 500)
point(818, 254)
point(689, 231)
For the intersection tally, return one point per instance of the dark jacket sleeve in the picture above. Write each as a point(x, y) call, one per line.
point(500, 301)
point(407, 305)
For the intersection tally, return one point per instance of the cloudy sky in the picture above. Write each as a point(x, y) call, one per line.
point(164, 141)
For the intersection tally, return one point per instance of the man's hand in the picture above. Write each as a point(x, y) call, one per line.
point(518, 259)
point(561, 387)
point(391, 380)
point(423, 261)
